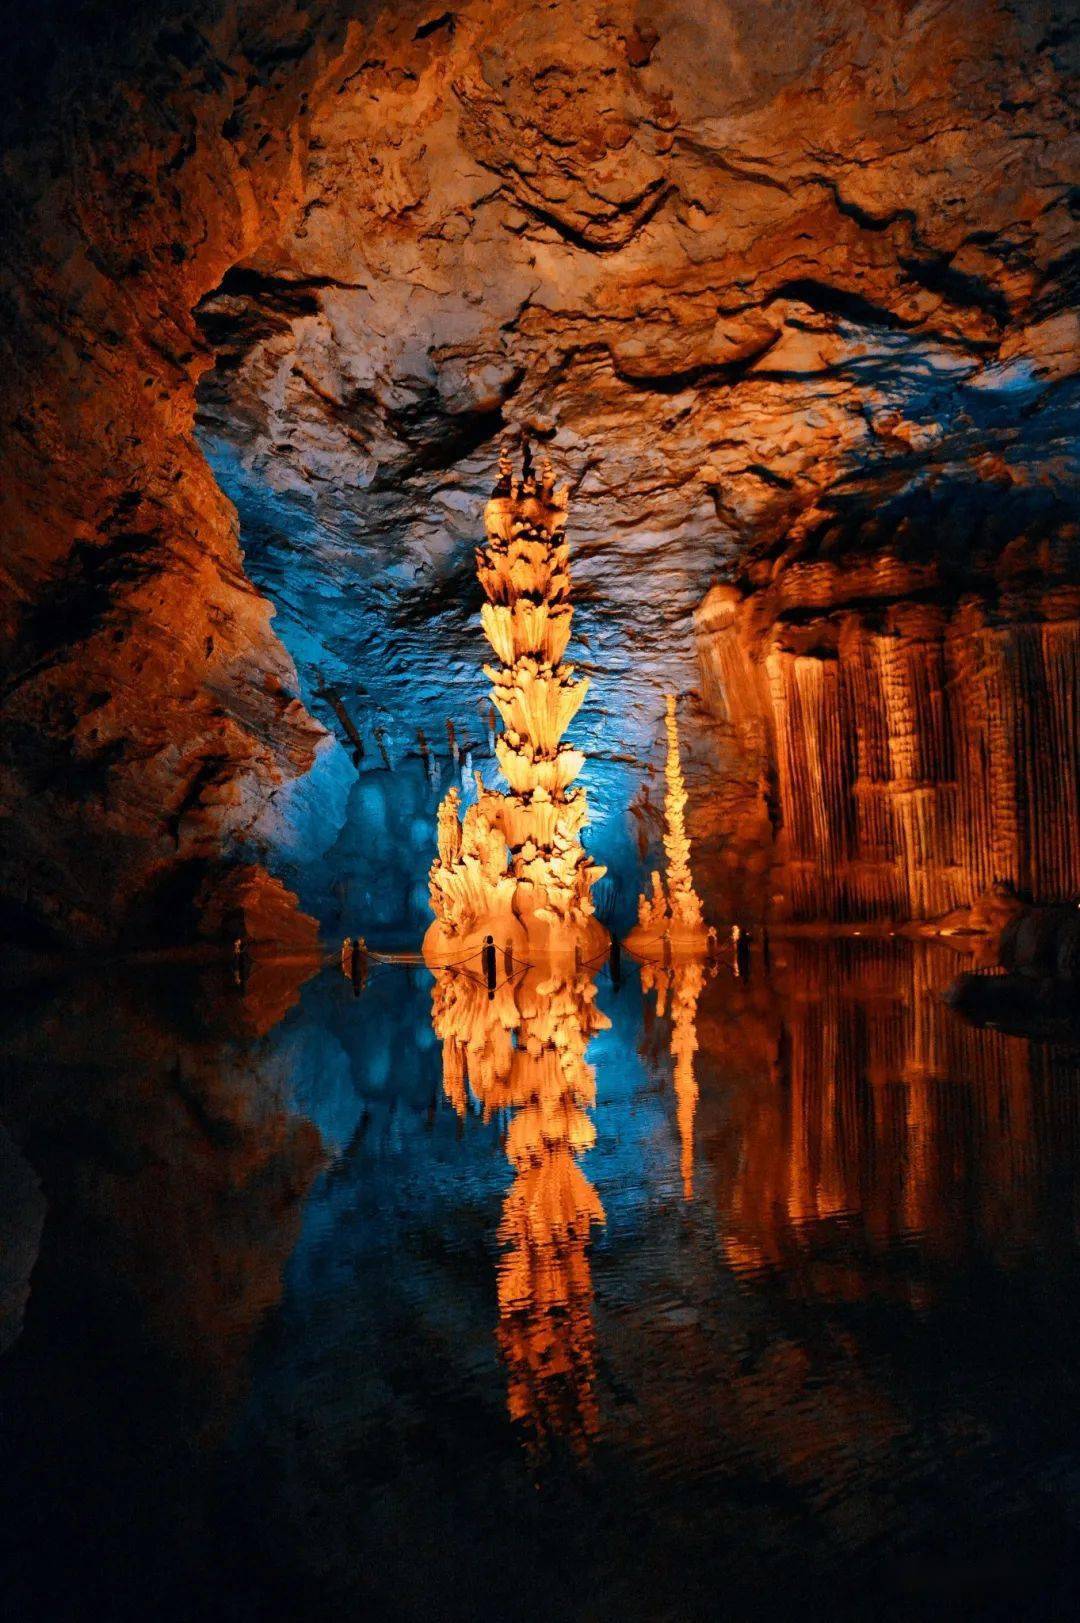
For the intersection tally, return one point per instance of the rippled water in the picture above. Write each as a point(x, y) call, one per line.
point(726, 1297)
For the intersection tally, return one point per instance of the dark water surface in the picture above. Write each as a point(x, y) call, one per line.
point(321, 1306)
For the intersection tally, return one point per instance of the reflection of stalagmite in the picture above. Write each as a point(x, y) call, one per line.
point(683, 981)
point(523, 1050)
point(670, 918)
point(520, 873)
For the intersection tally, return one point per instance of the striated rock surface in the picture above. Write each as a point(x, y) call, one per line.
point(789, 292)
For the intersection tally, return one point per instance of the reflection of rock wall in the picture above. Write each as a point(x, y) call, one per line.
point(22, 1214)
point(865, 1098)
point(912, 755)
point(172, 1162)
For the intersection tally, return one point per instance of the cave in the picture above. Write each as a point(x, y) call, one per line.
point(757, 322)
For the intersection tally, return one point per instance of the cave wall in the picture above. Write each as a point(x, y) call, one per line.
point(914, 756)
point(150, 715)
point(789, 291)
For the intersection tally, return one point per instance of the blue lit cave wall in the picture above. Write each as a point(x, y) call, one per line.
point(381, 616)
point(359, 521)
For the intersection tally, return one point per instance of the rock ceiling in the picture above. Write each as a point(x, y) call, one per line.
point(789, 292)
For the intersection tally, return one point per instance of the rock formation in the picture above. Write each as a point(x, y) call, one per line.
point(670, 918)
point(247, 903)
point(516, 870)
point(792, 285)
point(916, 744)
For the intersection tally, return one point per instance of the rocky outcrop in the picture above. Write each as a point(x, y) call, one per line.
point(1044, 942)
point(149, 714)
point(246, 903)
point(788, 290)
point(915, 747)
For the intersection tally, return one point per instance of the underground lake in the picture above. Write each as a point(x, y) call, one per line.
point(317, 1303)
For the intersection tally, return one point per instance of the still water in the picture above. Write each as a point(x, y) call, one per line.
point(685, 1297)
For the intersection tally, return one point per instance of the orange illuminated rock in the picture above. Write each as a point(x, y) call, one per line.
point(250, 905)
point(670, 920)
point(515, 869)
point(802, 317)
point(901, 755)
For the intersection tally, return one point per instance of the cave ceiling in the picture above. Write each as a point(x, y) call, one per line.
point(751, 288)
point(772, 284)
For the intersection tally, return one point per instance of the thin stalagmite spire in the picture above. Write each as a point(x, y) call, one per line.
point(670, 917)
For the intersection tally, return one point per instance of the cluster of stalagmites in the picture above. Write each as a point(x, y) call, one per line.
point(670, 916)
point(514, 866)
point(523, 1050)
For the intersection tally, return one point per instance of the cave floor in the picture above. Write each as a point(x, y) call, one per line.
point(295, 1327)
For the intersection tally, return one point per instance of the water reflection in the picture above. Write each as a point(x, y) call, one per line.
point(876, 1104)
point(157, 1114)
point(522, 1051)
point(678, 986)
point(342, 1305)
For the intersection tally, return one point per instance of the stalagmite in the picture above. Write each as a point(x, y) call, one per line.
point(670, 921)
point(520, 871)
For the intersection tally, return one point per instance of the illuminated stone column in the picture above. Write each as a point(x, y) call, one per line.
point(520, 872)
point(670, 920)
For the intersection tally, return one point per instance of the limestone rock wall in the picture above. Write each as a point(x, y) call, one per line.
point(916, 755)
point(149, 714)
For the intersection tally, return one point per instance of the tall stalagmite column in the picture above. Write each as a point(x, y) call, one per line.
point(519, 871)
point(670, 920)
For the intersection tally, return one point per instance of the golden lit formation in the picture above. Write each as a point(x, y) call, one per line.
point(515, 867)
point(677, 991)
point(670, 920)
point(523, 1050)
